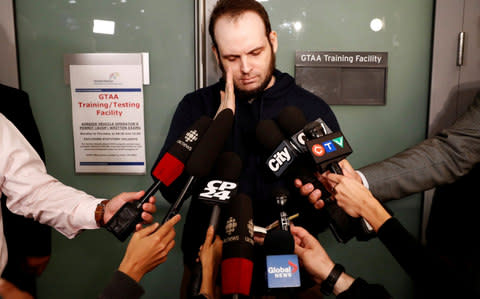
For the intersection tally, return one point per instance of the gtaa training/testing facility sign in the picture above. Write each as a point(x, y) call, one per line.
point(107, 113)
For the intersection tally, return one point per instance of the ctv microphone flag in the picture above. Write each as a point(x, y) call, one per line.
point(329, 149)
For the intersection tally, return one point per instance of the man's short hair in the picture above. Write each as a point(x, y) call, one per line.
point(235, 8)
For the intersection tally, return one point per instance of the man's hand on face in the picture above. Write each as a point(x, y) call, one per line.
point(227, 97)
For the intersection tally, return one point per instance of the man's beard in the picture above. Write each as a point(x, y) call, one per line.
point(254, 93)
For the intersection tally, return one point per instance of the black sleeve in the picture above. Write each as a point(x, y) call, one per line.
point(360, 289)
point(122, 286)
point(427, 269)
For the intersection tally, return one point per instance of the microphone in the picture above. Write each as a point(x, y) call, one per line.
point(284, 151)
point(168, 169)
point(304, 137)
point(291, 121)
point(217, 192)
point(271, 137)
point(327, 148)
point(280, 195)
point(237, 257)
point(282, 264)
point(203, 157)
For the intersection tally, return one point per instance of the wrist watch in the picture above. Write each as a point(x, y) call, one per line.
point(326, 287)
point(100, 212)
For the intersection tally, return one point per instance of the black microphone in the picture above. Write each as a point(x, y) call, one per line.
point(280, 195)
point(307, 138)
point(168, 169)
point(217, 192)
point(284, 151)
point(203, 157)
point(271, 137)
point(327, 148)
point(291, 121)
point(237, 252)
point(282, 266)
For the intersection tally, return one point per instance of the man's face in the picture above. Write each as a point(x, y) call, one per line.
point(244, 48)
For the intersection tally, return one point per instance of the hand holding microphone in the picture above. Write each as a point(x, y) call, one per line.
point(327, 148)
point(210, 256)
point(315, 195)
point(217, 193)
point(148, 248)
point(203, 157)
point(146, 209)
point(358, 201)
point(316, 261)
point(167, 170)
point(282, 266)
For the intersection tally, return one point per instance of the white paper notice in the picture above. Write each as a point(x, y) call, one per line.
point(107, 113)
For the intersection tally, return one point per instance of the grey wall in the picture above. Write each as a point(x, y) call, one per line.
point(8, 54)
point(79, 268)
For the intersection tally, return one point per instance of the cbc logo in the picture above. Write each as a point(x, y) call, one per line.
point(318, 150)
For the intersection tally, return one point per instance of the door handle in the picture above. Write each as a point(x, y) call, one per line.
point(460, 48)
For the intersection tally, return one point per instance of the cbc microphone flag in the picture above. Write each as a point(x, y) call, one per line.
point(107, 115)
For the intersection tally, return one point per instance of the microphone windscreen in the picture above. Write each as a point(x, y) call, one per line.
point(171, 165)
point(228, 167)
point(291, 120)
point(203, 157)
point(238, 241)
point(168, 169)
point(269, 134)
point(279, 242)
point(237, 252)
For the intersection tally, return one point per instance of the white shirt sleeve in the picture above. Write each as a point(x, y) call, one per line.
point(364, 179)
point(33, 193)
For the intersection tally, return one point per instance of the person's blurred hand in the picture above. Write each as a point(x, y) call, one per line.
point(210, 255)
point(314, 195)
point(148, 248)
point(37, 264)
point(9, 291)
point(311, 254)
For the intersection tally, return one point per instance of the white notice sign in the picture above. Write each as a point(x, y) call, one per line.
point(107, 113)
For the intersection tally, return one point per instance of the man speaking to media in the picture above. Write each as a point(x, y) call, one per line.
point(245, 45)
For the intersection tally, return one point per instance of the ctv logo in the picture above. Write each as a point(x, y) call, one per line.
point(278, 159)
point(327, 146)
point(218, 189)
